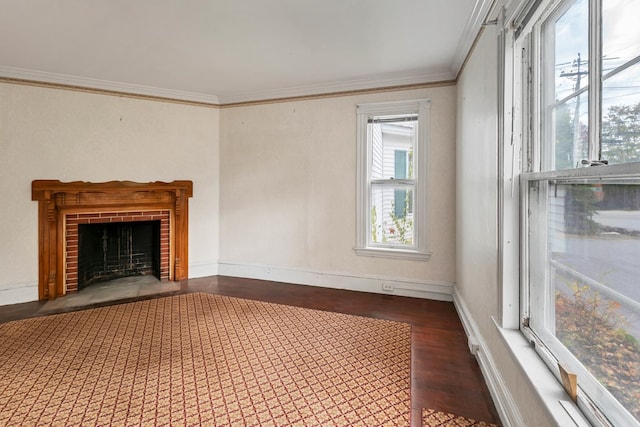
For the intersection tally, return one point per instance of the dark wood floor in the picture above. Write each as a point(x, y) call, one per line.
point(444, 375)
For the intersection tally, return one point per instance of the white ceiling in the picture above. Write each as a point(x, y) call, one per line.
point(224, 51)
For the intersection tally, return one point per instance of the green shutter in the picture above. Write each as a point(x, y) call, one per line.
point(400, 173)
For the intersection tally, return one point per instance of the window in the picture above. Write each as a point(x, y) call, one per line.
point(392, 163)
point(581, 199)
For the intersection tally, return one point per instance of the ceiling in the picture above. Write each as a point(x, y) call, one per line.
point(226, 51)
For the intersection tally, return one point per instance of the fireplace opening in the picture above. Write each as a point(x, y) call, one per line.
point(108, 251)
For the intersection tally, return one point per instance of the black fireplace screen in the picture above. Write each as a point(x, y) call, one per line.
point(114, 250)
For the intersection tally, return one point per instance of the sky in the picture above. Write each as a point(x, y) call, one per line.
point(620, 44)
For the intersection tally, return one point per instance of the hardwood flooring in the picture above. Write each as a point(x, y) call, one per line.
point(444, 374)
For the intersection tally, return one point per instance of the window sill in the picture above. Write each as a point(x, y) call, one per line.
point(550, 391)
point(393, 253)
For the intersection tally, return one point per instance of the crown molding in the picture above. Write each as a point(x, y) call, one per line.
point(403, 79)
point(105, 85)
point(477, 18)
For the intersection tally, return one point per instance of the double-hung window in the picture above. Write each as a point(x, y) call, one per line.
point(392, 163)
point(581, 198)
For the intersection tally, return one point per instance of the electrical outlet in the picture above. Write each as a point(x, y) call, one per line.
point(388, 287)
point(474, 345)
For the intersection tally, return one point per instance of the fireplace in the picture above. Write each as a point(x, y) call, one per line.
point(127, 228)
point(112, 250)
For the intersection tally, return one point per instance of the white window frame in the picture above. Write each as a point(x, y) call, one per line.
point(419, 249)
point(527, 87)
point(593, 399)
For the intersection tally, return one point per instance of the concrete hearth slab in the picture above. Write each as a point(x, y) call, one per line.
point(113, 290)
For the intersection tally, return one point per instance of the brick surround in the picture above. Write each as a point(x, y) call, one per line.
point(71, 238)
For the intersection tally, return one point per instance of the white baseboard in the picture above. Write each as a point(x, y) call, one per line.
point(203, 269)
point(440, 291)
point(16, 293)
point(502, 398)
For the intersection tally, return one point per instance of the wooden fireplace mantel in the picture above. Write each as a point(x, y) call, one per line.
point(57, 199)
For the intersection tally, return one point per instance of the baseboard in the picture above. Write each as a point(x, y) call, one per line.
point(18, 293)
point(502, 398)
point(203, 269)
point(440, 291)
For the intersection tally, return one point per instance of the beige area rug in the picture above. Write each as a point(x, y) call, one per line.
point(202, 359)
point(432, 418)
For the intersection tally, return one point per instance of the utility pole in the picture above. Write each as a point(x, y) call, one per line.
point(577, 152)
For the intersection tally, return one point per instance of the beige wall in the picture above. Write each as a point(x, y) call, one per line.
point(289, 184)
point(68, 135)
point(286, 179)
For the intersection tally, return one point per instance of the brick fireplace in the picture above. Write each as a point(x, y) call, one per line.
point(72, 235)
point(63, 207)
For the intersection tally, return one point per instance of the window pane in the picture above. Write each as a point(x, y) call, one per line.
point(566, 54)
point(392, 140)
point(621, 116)
point(620, 32)
point(392, 214)
point(591, 232)
point(570, 133)
point(568, 33)
point(621, 86)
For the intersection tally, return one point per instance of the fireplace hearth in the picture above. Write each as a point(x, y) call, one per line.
point(119, 210)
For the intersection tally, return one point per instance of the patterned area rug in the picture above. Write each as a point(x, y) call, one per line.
point(202, 359)
point(432, 418)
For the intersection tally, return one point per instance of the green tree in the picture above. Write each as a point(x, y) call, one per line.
point(403, 226)
point(580, 205)
point(564, 138)
point(621, 134)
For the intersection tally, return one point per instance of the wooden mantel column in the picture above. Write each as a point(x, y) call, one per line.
point(57, 199)
point(181, 211)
